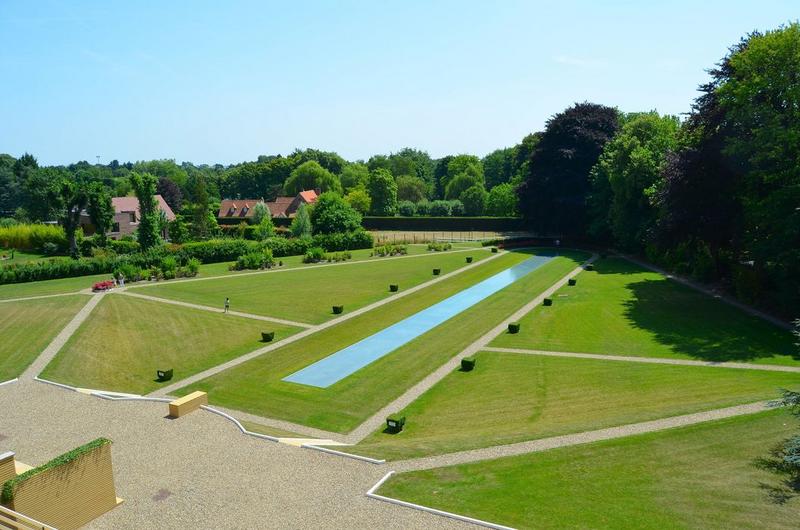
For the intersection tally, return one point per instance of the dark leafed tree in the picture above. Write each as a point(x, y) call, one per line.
point(200, 214)
point(70, 199)
point(553, 195)
point(171, 193)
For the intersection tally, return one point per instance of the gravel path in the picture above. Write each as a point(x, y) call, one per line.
point(653, 360)
point(305, 333)
point(218, 310)
point(711, 292)
point(199, 471)
point(545, 444)
point(374, 422)
point(57, 343)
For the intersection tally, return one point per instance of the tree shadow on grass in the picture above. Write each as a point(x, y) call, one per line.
point(699, 326)
point(788, 485)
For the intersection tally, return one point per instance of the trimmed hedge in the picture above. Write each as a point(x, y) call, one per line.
point(513, 327)
point(393, 287)
point(572, 281)
point(469, 259)
point(467, 364)
point(436, 272)
point(267, 336)
point(8, 488)
point(451, 224)
point(548, 301)
point(337, 309)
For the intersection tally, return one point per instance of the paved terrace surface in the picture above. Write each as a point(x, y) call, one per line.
point(199, 471)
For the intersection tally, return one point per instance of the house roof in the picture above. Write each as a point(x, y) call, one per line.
point(238, 207)
point(279, 206)
point(131, 204)
point(309, 196)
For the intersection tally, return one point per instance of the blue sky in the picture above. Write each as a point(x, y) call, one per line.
point(226, 81)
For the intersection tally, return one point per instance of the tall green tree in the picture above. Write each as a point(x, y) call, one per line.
point(100, 209)
point(301, 224)
point(144, 186)
point(410, 188)
point(359, 199)
point(474, 200)
point(70, 199)
point(311, 175)
point(354, 175)
point(382, 190)
point(331, 214)
point(202, 217)
point(502, 201)
point(627, 178)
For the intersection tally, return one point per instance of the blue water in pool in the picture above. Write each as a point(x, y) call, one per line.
point(339, 365)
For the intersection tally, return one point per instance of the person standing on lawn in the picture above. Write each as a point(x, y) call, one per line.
point(227, 304)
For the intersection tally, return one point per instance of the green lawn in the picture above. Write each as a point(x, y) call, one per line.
point(621, 309)
point(270, 431)
point(307, 295)
point(20, 256)
point(125, 340)
point(701, 476)
point(60, 286)
point(27, 327)
point(256, 386)
point(516, 397)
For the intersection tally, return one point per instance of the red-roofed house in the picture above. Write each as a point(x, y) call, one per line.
point(281, 207)
point(126, 216)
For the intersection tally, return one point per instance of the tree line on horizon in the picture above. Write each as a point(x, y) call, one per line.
point(715, 195)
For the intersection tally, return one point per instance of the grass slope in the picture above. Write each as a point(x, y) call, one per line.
point(701, 476)
point(307, 295)
point(27, 327)
point(256, 386)
point(126, 340)
point(515, 397)
point(622, 309)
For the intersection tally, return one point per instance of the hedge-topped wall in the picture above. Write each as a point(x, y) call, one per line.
point(69, 491)
point(445, 224)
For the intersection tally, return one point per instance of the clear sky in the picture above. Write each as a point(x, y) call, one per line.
point(212, 81)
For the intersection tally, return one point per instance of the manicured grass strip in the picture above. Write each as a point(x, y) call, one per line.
point(622, 309)
point(511, 397)
point(27, 327)
point(125, 340)
point(63, 285)
point(308, 295)
point(256, 386)
point(701, 476)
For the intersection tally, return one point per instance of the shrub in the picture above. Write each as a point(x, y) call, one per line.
point(254, 260)
point(513, 327)
point(390, 250)
point(494, 250)
point(395, 423)
point(343, 241)
point(438, 247)
point(588, 267)
point(169, 264)
point(336, 257)
point(469, 259)
point(393, 287)
point(267, 336)
point(456, 208)
point(548, 301)
point(314, 255)
point(32, 236)
point(192, 266)
point(407, 208)
point(572, 281)
point(337, 309)
point(49, 249)
point(128, 271)
point(467, 364)
point(440, 209)
point(436, 272)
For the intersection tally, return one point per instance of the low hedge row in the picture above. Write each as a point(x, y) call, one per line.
point(212, 251)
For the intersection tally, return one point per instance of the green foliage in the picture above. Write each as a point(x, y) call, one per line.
point(382, 189)
point(502, 201)
point(406, 208)
point(360, 200)
point(513, 327)
point(31, 236)
point(332, 214)
point(100, 209)
point(309, 176)
point(410, 188)
point(459, 184)
point(10, 486)
point(144, 185)
point(354, 176)
point(178, 230)
point(474, 200)
point(265, 229)
point(260, 211)
point(439, 247)
point(204, 222)
point(314, 255)
point(390, 250)
point(301, 224)
point(467, 364)
point(260, 259)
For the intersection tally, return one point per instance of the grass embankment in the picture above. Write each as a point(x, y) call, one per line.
point(125, 340)
point(622, 309)
point(28, 326)
point(701, 476)
point(256, 386)
point(307, 295)
point(511, 397)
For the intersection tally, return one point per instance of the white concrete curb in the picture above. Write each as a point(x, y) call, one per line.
point(60, 385)
point(9, 381)
point(372, 495)
point(340, 453)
